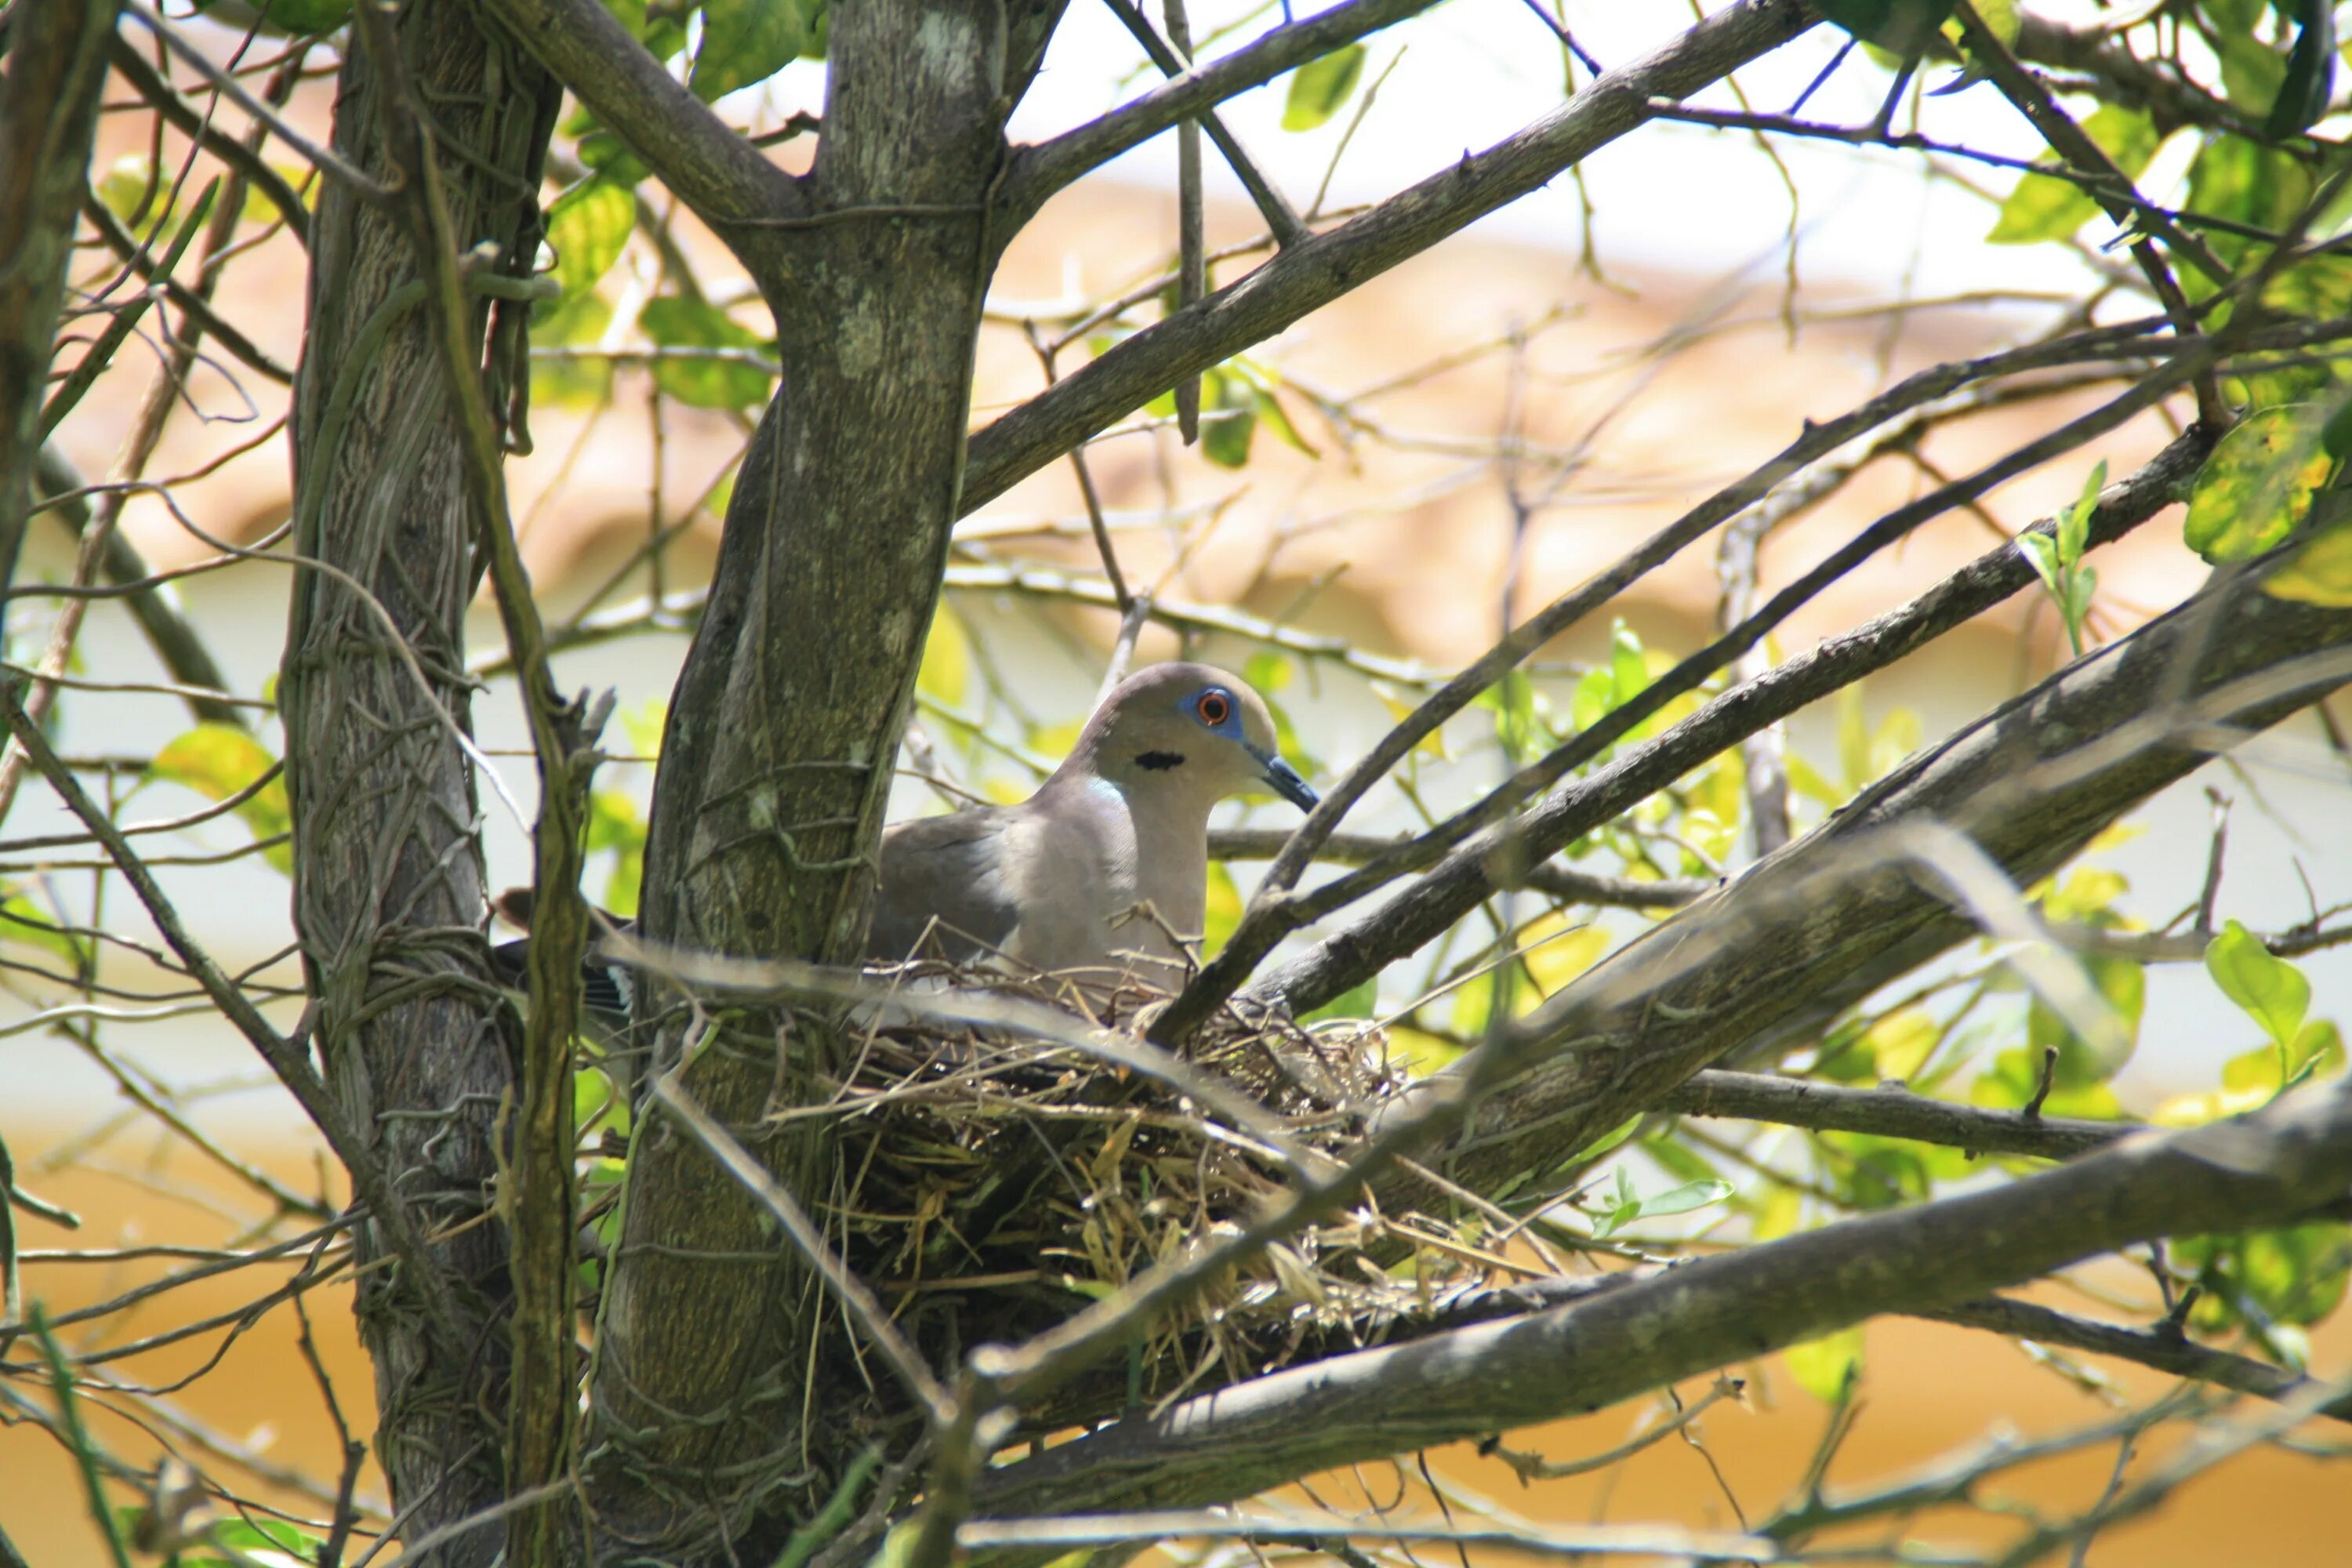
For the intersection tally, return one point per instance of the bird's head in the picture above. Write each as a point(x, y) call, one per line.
point(1192, 729)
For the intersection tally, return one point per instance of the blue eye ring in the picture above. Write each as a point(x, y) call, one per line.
point(1213, 707)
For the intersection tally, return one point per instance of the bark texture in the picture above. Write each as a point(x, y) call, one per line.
point(388, 893)
point(1846, 908)
point(712, 1393)
point(54, 65)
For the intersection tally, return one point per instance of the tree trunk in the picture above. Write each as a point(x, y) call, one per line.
point(388, 895)
point(55, 62)
point(777, 765)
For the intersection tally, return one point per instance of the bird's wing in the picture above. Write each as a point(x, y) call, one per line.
point(945, 875)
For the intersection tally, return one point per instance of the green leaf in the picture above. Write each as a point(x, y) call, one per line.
point(567, 382)
point(1902, 27)
point(1225, 439)
point(1690, 1195)
point(2041, 555)
point(2320, 572)
point(945, 674)
point(2046, 207)
point(1358, 1001)
point(1629, 670)
point(747, 41)
point(2253, 73)
point(2294, 1275)
point(1594, 696)
point(2258, 484)
point(217, 762)
point(2083, 1063)
point(2075, 528)
point(2269, 989)
point(270, 1542)
point(22, 923)
point(1277, 419)
point(1223, 911)
point(588, 229)
point(1606, 1141)
point(2239, 179)
point(1901, 1043)
point(674, 322)
point(1826, 1368)
point(1853, 737)
point(307, 17)
point(610, 158)
point(2310, 71)
point(1319, 87)
point(616, 825)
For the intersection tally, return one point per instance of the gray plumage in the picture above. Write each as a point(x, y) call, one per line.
point(1102, 874)
point(1104, 870)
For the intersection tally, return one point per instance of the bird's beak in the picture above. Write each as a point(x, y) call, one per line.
point(1284, 781)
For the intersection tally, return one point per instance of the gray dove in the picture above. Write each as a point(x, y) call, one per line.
point(1102, 874)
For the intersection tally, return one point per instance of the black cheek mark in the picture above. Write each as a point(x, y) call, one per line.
point(1160, 761)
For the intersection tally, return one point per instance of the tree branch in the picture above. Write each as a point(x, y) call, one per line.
point(155, 606)
point(1554, 881)
point(2165, 1349)
point(1688, 1320)
point(1046, 167)
point(286, 1057)
point(1314, 272)
point(1888, 1114)
point(55, 69)
point(2029, 785)
point(1467, 876)
point(1281, 221)
point(713, 170)
point(186, 118)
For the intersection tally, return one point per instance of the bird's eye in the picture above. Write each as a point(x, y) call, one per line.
point(1213, 706)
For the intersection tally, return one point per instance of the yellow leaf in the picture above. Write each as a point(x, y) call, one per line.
point(1557, 950)
point(1822, 1367)
point(1420, 1053)
point(1778, 1216)
point(1431, 745)
point(1902, 1042)
point(2320, 572)
point(945, 675)
point(1224, 910)
point(218, 760)
point(1054, 741)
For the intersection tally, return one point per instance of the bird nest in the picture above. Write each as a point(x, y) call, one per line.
point(990, 1183)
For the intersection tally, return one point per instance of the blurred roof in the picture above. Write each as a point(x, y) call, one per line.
point(1607, 405)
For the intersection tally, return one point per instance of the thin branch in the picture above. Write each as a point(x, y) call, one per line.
point(1280, 221)
point(1314, 272)
point(1691, 1319)
point(1817, 441)
point(713, 170)
point(1331, 1535)
point(1275, 912)
point(226, 84)
point(193, 123)
point(2165, 1349)
point(1466, 878)
point(198, 309)
point(1888, 1114)
point(2104, 736)
point(1039, 171)
point(286, 1057)
point(1554, 881)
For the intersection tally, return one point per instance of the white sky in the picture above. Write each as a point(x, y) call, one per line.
point(1474, 71)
